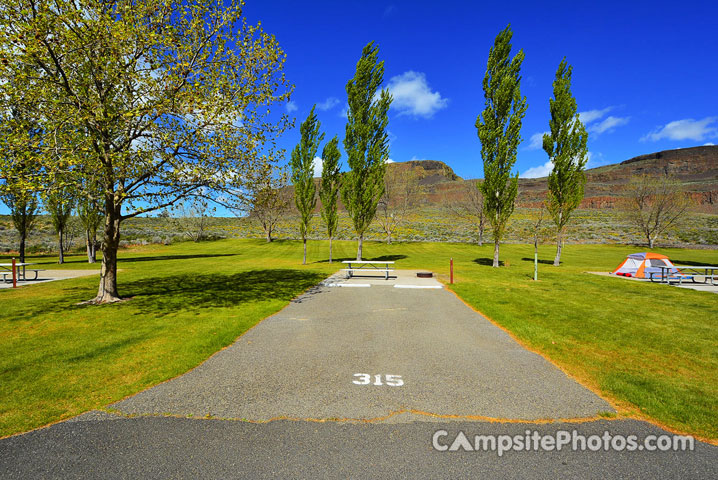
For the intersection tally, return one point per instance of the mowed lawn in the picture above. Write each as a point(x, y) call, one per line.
point(649, 348)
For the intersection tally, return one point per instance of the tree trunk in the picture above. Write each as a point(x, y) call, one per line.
point(361, 241)
point(559, 247)
point(268, 232)
point(23, 235)
point(91, 241)
point(496, 252)
point(61, 258)
point(650, 242)
point(107, 292)
point(481, 233)
point(304, 260)
point(388, 238)
point(330, 249)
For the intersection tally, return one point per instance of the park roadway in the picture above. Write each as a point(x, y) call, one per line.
point(351, 380)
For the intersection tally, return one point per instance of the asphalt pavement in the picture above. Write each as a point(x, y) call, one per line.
point(363, 378)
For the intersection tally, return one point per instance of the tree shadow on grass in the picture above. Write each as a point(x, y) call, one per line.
point(544, 262)
point(188, 292)
point(690, 263)
point(194, 291)
point(487, 261)
point(173, 257)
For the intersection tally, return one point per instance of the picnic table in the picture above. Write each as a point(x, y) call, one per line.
point(6, 271)
point(362, 266)
point(687, 272)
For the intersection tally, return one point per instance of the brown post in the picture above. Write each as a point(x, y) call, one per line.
point(14, 274)
point(451, 271)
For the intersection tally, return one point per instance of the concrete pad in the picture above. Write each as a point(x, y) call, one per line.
point(341, 353)
point(397, 278)
point(51, 276)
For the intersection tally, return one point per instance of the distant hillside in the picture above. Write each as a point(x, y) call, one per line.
point(696, 167)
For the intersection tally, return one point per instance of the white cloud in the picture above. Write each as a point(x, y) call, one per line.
point(291, 106)
point(412, 95)
point(328, 104)
point(687, 129)
point(540, 171)
point(592, 115)
point(592, 161)
point(414, 158)
point(389, 160)
point(709, 144)
point(317, 163)
point(608, 124)
point(344, 113)
point(536, 141)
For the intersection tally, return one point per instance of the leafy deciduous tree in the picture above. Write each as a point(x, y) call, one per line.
point(159, 97)
point(59, 202)
point(302, 162)
point(566, 148)
point(401, 190)
point(23, 207)
point(90, 213)
point(499, 129)
point(655, 204)
point(21, 175)
point(268, 199)
point(470, 206)
point(193, 217)
point(366, 141)
point(329, 188)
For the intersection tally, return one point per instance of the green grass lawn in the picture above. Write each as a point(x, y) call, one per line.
point(650, 348)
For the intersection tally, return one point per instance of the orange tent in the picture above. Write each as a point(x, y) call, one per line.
point(641, 265)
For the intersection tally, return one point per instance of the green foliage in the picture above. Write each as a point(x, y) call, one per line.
point(61, 359)
point(159, 97)
point(566, 148)
point(59, 203)
point(366, 141)
point(302, 164)
point(21, 174)
point(499, 127)
point(330, 185)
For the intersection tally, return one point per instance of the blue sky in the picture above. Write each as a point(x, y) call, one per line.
point(645, 73)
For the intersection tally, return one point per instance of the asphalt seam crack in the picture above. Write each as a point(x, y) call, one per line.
point(475, 418)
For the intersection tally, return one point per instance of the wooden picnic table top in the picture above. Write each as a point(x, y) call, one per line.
point(368, 261)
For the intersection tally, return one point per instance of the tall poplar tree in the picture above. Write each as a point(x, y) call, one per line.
point(366, 141)
point(329, 188)
point(566, 148)
point(499, 129)
point(303, 173)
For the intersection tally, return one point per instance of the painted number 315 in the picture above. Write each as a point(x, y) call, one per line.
point(390, 380)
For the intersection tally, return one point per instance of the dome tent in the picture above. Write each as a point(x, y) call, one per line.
point(641, 265)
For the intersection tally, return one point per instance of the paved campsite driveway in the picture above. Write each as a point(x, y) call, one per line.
point(333, 355)
point(337, 351)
